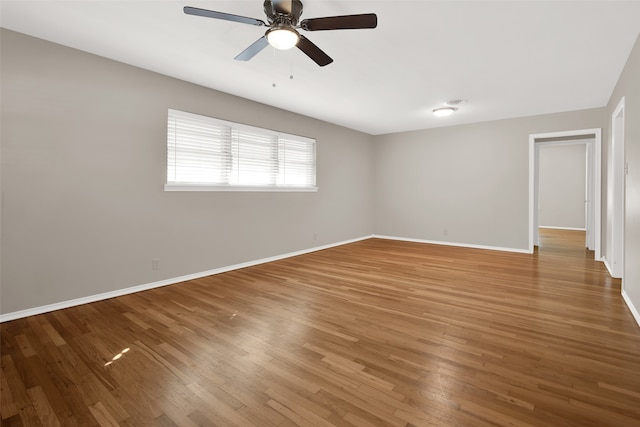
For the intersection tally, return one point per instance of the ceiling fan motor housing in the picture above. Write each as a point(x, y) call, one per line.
point(277, 12)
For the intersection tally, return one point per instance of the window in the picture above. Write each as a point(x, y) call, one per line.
point(209, 154)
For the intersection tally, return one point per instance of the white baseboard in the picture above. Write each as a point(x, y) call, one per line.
point(562, 228)
point(606, 264)
point(461, 245)
point(112, 294)
point(632, 308)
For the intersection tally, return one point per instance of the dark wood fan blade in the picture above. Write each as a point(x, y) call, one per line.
point(346, 22)
point(221, 15)
point(282, 6)
point(252, 50)
point(313, 51)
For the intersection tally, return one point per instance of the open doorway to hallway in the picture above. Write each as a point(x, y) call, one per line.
point(564, 243)
point(592, 200)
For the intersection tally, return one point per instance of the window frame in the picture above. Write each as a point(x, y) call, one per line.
point(203, 186)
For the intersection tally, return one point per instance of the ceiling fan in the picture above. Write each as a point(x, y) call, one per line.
point(283, 17)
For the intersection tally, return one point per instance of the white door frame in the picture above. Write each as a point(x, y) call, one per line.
point(614, 255)
point(594, 170)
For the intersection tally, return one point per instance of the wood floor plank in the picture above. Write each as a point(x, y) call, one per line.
point(102, 415)
point(42, 407)
point(374, 333)
point(8, 406)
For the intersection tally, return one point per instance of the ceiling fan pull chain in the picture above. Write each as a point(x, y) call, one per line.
point(274, 73)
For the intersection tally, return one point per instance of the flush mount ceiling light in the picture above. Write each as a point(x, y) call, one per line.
point(452, 102)
point(444, 111)
point(282, 37)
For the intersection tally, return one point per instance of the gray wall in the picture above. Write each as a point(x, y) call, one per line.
point(562, 191)
point(463, 184)
point(83, 169)
point(629, 86)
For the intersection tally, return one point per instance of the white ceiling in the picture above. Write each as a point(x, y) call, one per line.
point(507, 58)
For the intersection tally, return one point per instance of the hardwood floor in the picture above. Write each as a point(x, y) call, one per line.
point(375, 333)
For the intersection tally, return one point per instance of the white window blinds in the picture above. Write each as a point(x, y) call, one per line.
point(204, 153)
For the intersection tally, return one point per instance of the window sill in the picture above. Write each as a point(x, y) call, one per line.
point(241, 188)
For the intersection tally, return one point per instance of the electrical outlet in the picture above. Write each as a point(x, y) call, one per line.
point(155, 264)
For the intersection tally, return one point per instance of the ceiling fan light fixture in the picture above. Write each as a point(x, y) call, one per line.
point(282, 37)
point(444, 111)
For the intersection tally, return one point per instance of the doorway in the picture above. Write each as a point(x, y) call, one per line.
point(614, 255)
point(593, 140)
